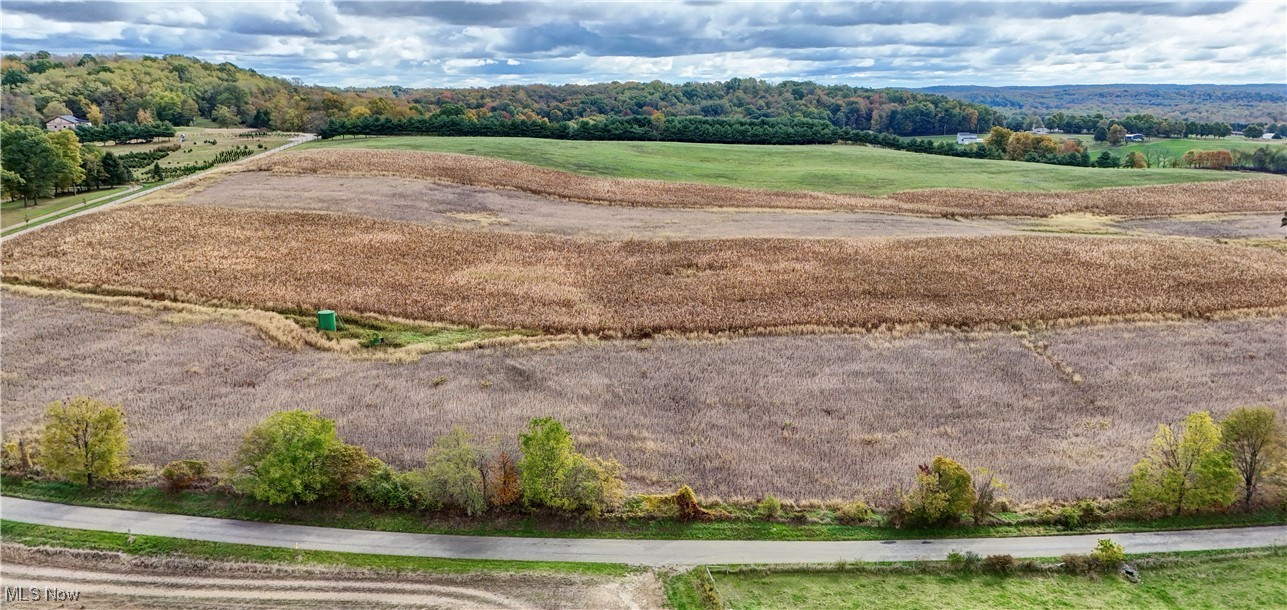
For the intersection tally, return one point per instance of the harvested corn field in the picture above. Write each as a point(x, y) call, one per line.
point(279, 260)
point(1061, 413)
point(1256, 195)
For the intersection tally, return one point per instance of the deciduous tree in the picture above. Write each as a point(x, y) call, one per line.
point(1186, 468)
point(282, 459)
point(1256, 442)
point(84, 440)
point(453, 473)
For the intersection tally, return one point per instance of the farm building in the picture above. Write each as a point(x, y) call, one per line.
point(1267, 136)
point(1041, 131)
point(1134, 137)
point(966, 137)
point(65, 121)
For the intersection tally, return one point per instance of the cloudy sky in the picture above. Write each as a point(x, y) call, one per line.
point(358, 43)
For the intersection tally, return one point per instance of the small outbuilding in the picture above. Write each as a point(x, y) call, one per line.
point(965, 137)
point(65, 121)
point(1134, 137)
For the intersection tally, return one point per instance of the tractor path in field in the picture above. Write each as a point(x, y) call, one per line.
point(634, 552)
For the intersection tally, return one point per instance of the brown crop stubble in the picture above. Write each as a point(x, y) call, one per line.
point(278, 260)
point(1257, 195)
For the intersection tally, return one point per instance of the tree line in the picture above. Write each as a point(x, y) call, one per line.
point(297, 457)
point(36, 163)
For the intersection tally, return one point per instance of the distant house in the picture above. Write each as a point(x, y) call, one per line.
point(965, 137)
point(65, 121)
point(1134, 137)
point(1040, 131)
point(1267, 136)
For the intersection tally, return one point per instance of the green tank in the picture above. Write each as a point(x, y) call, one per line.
point(325, 320)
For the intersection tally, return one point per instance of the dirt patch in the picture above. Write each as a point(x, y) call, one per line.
point(117, 580)
point(1256, 195)
point(458, 206)
point(1216, 226)
point(307, 261)
point(1060, 413)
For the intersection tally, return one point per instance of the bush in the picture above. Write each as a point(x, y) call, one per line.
point(1077, 564)
point(452, 475)
point(943, 491)
point(963, 562)
point(502, 481)
point(999, 564)
point(387, 488)
point(770, 507)
point(1083, 512)
point(1108, 555)
point(183, 474)
point(851, 513)
point(284, 458)
point(552, 474)
point(987, 496)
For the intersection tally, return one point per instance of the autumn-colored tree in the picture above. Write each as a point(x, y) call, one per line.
point(144, 117)
point(223, 116)
point(943, 491)
point(1116, 134)
point(84, 440)
point(1256, 442)
point(1023, 143)
point(1136, 160)
point(1071, 145)
point(998, 138)
point(93, 114)
point(1186, 468)
point(67, 146)
point(502, 481)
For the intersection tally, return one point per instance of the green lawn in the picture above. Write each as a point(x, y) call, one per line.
point(207, 504)
point(13, 213)
point(827, 168)
point(1225, 584)
point(28, 534)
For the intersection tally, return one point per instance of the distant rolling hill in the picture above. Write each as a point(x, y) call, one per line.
point(1255, 103)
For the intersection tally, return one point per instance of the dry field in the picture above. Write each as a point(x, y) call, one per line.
point(117, 581)
point(408, 200)
point(1256, 195)
point(1059, 413)
point(281, 260)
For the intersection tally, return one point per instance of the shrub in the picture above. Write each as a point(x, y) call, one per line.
point(854, 512)
point(346, 466)
point(387, 488)
point(999, 564)
point(502, 481)
point(1077, 564)
point(84, 440)
point(283, 458)
point(1083, 512)
point(552, 474)
point(987, 492)
point(183, 474)
point(686, 506)
point(452, 475)
point(770, 507)
point(963, 562)
point(21, 456)
point(943, 491)
point(1108, 555)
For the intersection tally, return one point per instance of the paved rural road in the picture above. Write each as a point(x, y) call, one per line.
point(297, 140)
point(637, 552)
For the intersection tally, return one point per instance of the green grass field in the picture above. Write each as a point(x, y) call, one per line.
point(826, 168)
point(195, 150)
point(1227, 584)
point(13, 213)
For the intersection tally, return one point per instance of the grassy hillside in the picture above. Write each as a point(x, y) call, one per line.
point(830, 168)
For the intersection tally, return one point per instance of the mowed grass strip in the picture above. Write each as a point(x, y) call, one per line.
point(1252, 195)
point(824, 168)
point(1245, 582)
point(292, 260)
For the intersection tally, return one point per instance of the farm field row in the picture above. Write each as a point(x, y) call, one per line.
point(823, 168)
point(486, 209)
point(197, 147)
point(308, 261)
point(1057, 413)
point(1265, 194)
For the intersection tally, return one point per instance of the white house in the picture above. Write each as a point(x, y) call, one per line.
point(1134, 137)
point(965, 137)
point(65, 121)
point(1267, 136)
